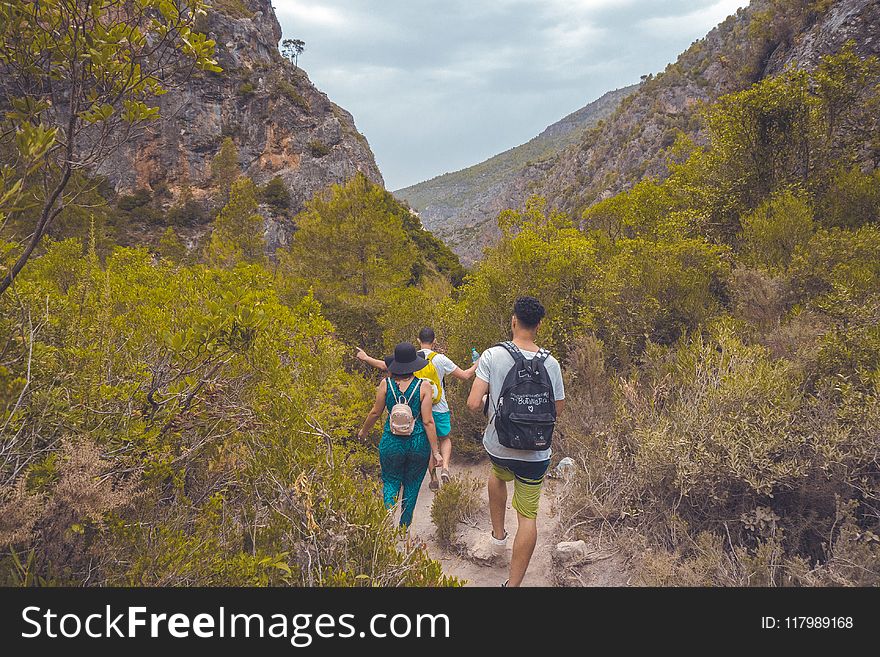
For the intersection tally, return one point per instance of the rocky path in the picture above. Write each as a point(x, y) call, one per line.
point(555, 562)
point(471, 558)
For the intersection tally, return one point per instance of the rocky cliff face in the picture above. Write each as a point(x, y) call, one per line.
point(281, 124)
point(461, 207)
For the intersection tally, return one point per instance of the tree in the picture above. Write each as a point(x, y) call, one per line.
point(346, 244)
point(352, 252)
point(778, 226)
point(76, 78)
point(238, 230)
point(171, 247)
point(224, 167)
point(276, 194)
point(291, 49)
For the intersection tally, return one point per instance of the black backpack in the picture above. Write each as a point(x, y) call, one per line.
point(526, 411)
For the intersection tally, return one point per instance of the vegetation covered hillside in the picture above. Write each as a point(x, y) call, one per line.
point(760, 40)
point(461, 207)
point(719, 331)
point(631, 138)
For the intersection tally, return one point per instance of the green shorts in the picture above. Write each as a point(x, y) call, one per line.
point(527, 478)
point(443, 422)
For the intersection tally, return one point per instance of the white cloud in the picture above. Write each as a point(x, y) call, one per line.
point(310, 13)
point(437, 85)
point(704, 18)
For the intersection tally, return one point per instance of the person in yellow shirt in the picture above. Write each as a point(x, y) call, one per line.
point(438, 368)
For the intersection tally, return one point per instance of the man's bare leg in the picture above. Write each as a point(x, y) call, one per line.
point(523, 547)
point(497, 504)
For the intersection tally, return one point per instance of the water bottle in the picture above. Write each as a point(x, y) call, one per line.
point(475, 355)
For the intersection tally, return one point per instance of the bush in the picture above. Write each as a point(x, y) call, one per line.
point(233, 8)
point(318, 149)
point(776, 229)
point(139, 199)
point(187, 214)
point(276, 194)
point(287, 90)
point(838, 272)
point(455, 502)
point(852, 199)
point(727, 469)
point(199, 449)
point(657, 291)
point(246, 90)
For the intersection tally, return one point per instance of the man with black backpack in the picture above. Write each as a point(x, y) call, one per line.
point(519, 387)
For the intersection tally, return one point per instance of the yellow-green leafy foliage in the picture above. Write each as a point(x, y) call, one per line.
point(238, 230)
point(368, 262)
point(727, 421)
point(174, 425)
point(773, 231)
point(225, 167)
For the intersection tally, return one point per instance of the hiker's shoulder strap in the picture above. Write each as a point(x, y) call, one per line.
point(542, 355)
point(430, 355)
point(418, 385)
point(512, 349)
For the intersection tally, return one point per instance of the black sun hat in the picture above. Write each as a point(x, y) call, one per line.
point(405, 360)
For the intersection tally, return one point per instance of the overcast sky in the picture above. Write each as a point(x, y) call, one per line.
point(438, 85)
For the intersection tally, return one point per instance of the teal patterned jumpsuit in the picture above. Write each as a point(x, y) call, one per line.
point(404, 459)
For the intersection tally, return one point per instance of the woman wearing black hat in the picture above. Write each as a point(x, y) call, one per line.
point(404, 458)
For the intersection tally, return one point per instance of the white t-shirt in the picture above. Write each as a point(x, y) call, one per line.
point(494, 365)
point(444, 367)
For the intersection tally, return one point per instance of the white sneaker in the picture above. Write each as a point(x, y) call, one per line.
point(499, 545)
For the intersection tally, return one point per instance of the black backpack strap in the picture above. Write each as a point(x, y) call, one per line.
point(512, 349)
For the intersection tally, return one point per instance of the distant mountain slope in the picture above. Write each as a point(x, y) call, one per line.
point(760, 40)
point(634, 141)
point(461, 207)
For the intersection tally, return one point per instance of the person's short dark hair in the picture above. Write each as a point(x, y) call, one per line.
point(528, 311)
point(427, 336)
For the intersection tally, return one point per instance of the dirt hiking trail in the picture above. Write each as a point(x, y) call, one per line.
point(471, 558)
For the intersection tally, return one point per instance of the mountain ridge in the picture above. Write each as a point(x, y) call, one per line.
point(476, 193)
point(635, 140)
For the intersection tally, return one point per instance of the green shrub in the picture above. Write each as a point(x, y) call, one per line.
point(139, 199)
point(246, 90)
point(233, 8)
point(188, 396)
point(276, 194)
point(455, 502)
point(318, 149)
point(776, 229)
point(851, 200)
point(171, 246)
point(838, 272)
point(189, 213)
point(290, 92)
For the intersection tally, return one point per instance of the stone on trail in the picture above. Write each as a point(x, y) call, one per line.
point(481, 549)
point(565, 467)
point(571, 551)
